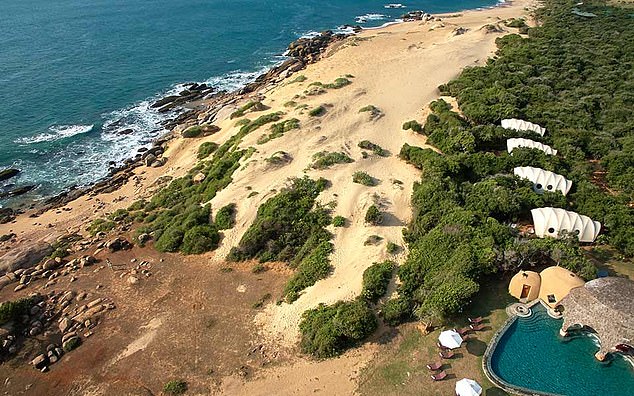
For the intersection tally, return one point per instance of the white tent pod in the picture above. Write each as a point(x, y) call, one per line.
point(551, 221)
point(514, 143)
point(521, 125)
point(544, 180)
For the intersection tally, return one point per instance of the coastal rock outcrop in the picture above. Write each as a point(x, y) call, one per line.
point(24, 256)
point(8, 173)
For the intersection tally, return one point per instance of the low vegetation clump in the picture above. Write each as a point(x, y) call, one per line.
point(290, 227)
point(226, 217)
point(392, 248)
point(374, 111)
point(360, 177)
point(175, 387)
point(279, 129)
point(200, 239)
point(413, 125)
point(206, 149)
point(317, 111)
point(373, 215)
point(326, 159)
point(101, 225)
point(72, 344)
point(373, 240)
point(279, 158)
point(193, 131)
point(329, 330)
point(181, 208)
point(337, 84)
point(251, 106)
point(376, 278)
point(290, 103)
point(300, 78)
point(339, 221)
point(13, 310)
point(375, 148)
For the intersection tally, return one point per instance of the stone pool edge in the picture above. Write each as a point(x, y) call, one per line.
point(488, 371)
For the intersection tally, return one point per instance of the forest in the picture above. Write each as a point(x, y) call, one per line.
point(571, 74)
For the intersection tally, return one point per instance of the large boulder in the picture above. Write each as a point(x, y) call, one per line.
point(24, 256)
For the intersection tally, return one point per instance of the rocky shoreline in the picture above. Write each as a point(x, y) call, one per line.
point(202, 104)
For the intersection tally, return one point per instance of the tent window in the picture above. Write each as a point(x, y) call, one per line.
point(550, 187)
point(551, 298)
point(538, 186)
point(551, 230)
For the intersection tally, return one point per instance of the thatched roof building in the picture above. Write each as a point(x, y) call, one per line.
point(606, 305)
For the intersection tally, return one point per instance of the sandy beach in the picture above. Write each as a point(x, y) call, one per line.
point(397, 69)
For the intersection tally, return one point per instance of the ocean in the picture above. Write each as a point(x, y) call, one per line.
point(74, 73)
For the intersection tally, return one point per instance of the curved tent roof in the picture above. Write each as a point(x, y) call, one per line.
point(544, 180)
point(557, 282)
point(514, 143)
point(521, 125)
point(525, 285)
point(551, 221)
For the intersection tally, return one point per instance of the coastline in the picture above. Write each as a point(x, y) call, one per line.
point(396, 68)
point(113, 178)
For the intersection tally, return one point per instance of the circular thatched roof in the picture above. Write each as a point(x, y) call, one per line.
point(607, 306)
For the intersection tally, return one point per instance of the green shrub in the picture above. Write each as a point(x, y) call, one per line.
point(290, 227)
point(175, 387)
point(258, 268)
point(250, 106)
point(101, 225)
point(300, 78)
point(193, 131)
point(373, 215)
point(317, 111)
point(138, 205)
point(290, 103)
point(200, 239)
point(313, 267)
point(325, 159)
point(516, 23)
point(14, 310)
point(279, 129)
point(392, 248)
point(376, 278)
point(170, 240)
point(396, 310)
point(413, 125)
point(339, 221)
point(206, 149)
point(72, 344)
point(363, 178)
point(368, 145)
point(225, 217)
point(372, 240)
point(328, 331)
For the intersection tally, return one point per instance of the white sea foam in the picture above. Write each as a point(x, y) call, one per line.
point(394, 5)
point(370, 17)
point(57, 132)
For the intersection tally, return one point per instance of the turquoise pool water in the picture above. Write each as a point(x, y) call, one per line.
point(531, 354)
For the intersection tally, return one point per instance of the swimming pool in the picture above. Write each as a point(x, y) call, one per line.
point(530, 354)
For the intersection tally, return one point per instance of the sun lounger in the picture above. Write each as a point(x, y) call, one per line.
point(446, 354)
point(434, 366)
point(477, 320)
point(463, 330)
point(477, 327)
point(440, 376)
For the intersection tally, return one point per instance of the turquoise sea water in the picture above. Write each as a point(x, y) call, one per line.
point(74, 72)
point(531, 354)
